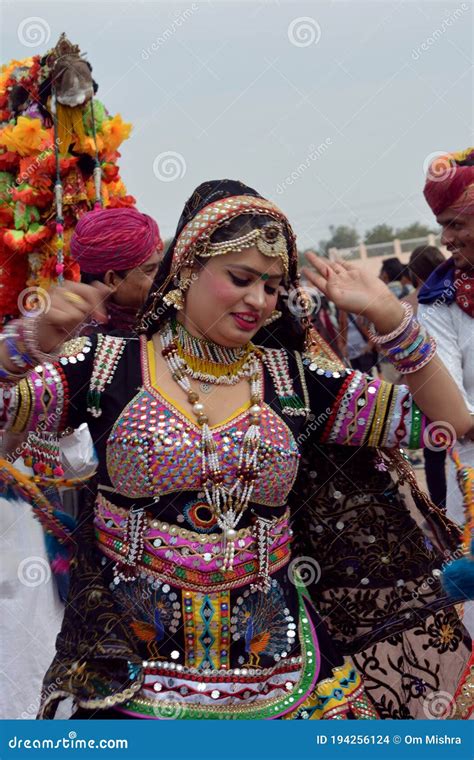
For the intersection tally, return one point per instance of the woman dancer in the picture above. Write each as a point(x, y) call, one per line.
point(188, 602)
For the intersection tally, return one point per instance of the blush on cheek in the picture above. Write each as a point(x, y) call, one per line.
point(225, 292)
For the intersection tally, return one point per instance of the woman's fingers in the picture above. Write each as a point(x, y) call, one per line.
point(88, 299)
point(321, 265)
point(315, 279)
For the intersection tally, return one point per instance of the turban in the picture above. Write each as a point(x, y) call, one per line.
point(116, 238)
point(450, 183)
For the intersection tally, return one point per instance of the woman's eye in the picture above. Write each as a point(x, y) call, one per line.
point(238, 281)
point(271, 291)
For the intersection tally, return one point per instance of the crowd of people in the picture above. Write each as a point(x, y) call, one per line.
point(243, 548)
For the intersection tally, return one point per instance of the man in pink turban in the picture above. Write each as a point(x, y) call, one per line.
point(447, 298)
point(122, 248)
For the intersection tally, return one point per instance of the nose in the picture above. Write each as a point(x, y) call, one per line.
point(255, 296)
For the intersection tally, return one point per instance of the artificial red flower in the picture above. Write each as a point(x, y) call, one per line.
point(16, 241)
point(9, 161)
point(32, 196)
point(121, 202)
point(37, 234)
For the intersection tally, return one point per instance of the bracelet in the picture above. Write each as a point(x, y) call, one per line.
point(389, 337)
point(29, 336)
point(21, 340)
point(409, 347)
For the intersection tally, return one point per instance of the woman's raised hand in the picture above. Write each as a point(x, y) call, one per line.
point(70, 305)
point(356, 290)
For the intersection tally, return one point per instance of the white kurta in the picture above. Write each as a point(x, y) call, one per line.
point(454, 333)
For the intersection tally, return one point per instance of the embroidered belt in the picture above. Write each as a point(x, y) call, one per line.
point(139, 543)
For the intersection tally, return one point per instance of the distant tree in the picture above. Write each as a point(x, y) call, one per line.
point(415, 230)
point(341, 237)
point(381, 233)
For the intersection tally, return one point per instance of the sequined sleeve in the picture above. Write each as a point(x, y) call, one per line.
point(53, 395)
point(354, 409)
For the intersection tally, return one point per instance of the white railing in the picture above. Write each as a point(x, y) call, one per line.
point(398, 248)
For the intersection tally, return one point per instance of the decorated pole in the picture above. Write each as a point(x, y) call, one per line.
point(58, 160)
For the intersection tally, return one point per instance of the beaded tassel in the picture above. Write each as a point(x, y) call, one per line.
point(262, 534)
point(134, 538)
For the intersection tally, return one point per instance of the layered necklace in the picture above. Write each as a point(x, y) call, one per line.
point(227, 503)
point(210, 363)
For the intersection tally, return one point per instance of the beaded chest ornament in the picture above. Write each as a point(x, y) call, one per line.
point(227, 504)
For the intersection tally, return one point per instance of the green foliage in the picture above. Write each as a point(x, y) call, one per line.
point(415, 230)
point(341, 237)
point(381, 233)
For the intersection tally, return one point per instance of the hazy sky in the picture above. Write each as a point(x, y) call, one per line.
point(328, 108)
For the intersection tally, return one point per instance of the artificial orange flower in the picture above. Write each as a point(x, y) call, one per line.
point(115, 131)
point(116, 187)
point(87, 145)
point(25, 137)
point(7, 70)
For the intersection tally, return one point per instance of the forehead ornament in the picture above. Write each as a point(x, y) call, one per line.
point(269, 240)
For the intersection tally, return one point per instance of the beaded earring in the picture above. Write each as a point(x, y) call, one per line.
point(273, 317)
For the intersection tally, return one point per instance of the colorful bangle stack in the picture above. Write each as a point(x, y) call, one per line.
point(20, 338)
point(408, 347)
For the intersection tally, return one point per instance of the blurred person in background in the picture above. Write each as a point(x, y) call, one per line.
point(122, 248)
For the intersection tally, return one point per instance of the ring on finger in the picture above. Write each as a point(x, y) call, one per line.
point(74, 298)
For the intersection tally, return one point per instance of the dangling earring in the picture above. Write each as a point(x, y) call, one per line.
point(175, 298)
point(272, 318)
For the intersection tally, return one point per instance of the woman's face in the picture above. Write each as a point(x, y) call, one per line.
point(231, 295)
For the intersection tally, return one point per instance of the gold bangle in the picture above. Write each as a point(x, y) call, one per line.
point(24, 407)
point(379, 414)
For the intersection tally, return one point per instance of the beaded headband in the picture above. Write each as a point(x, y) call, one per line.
point(194, 239)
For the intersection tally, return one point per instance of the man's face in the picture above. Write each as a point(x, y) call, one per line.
point(458, 237)
point(132, 290)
